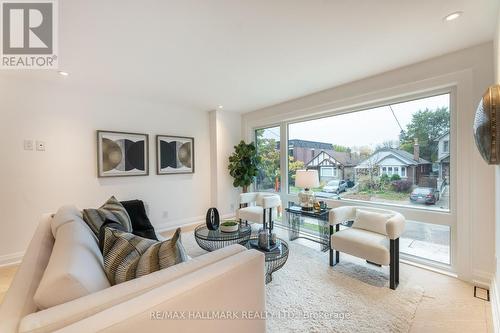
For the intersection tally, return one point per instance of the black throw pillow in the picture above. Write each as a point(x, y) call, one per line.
point(108, 223)
point(141, 226)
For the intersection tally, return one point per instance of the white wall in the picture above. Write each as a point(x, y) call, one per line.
point(32, 182)
point(226, 131)
point(469, 72)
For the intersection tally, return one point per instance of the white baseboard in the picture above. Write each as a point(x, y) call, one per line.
point(495, 305)
point(11, 259)
point(482, 279)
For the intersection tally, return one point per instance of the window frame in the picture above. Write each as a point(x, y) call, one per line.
point(449, 218)
point(327, 168)
point(446, 146)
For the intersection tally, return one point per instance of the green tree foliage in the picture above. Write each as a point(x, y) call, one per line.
point(243, 164)
point(269, 176)
point(426, 126)
point(269, 164)
point(293, 166)
point(395, 177)
point(341, 149)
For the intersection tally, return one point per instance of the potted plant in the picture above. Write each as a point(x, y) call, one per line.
point(243, 165)
point(229, 226)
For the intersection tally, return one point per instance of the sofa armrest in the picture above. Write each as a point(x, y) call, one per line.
point(233, 286)
point(341, 214)
point(395, 226)
point(59, 316)
point(18, 301)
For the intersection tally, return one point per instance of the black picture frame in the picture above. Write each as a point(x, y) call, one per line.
point(168, 161)
point(112, 160)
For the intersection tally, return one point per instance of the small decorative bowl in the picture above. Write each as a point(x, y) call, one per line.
point(229, 226)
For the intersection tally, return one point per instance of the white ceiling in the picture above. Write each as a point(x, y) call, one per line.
point(248, 54)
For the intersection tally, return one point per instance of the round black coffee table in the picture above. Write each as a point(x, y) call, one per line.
point(274, 259)
point(211, 240)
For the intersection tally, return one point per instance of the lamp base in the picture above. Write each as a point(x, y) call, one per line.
point(306, 199)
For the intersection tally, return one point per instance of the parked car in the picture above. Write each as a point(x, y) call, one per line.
point(335, 186)
point(425, 195)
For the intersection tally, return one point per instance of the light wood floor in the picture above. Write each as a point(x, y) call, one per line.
point(448, 304)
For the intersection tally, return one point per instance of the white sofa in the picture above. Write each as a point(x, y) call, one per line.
point(374, 236)
point(230, 279)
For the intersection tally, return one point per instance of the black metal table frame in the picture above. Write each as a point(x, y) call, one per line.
point(294, 233)
point(273, 262)
point(210, 245)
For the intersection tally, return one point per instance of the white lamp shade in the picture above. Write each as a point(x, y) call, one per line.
point(306, 178)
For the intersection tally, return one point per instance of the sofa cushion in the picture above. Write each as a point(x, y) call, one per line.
point(364, 244)
point(75, 267)
point(108, 224)
point(127, 256)
point(141, 226)
point(371, 221)
point(112, 210)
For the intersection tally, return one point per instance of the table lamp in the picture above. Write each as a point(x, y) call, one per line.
point(306, 179)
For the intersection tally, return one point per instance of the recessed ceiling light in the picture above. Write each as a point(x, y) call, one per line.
point(63, 73)
point(220, 107)
point(453, 16)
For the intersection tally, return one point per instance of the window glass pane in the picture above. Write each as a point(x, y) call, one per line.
point(403, 160)
point(429, 241)
point(267, 142)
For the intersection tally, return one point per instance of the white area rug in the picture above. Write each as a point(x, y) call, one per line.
point(307, 295)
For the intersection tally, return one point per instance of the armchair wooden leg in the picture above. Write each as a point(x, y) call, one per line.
point(394, 263)
point(264, 219)
point(334, 255)
point(397, 262)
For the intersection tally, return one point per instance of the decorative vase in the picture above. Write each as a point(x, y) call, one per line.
point(212, 219)
point(264, 240)
point(272, 239)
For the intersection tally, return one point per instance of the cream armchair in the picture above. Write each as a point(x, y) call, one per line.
point(255, 206)
point(374, 236)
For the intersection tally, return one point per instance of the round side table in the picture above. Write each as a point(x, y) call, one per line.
point(274, 259)
point(211, 240)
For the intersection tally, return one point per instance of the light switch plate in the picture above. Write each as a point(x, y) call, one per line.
point(40, 146)
point(28, 144)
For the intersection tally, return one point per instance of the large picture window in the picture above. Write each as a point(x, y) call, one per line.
point(396, 154)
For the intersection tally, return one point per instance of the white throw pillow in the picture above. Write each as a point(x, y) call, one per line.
point(75, 267)
point(371, 221)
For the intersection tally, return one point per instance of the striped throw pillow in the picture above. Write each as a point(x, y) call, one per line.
point(127, 256)
point(111, 210)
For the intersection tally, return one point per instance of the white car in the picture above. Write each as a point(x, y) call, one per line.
point(335, 186)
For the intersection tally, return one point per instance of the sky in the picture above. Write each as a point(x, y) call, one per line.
point(363, 128)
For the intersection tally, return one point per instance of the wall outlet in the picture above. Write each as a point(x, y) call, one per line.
point(40, 145)
point(165, 215)
point(28, 144)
